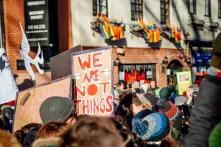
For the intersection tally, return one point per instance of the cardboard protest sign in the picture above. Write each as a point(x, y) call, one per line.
point(184, 81)
point(8, 87)
point(29, 101)
point(92, 73)
point(61, 63)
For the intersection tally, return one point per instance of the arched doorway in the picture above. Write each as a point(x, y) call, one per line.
point(172, 68)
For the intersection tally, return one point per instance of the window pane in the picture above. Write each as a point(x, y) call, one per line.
point(94, 3)
point(192, 6)
point(207, 7)
point(219, 8)
point(164, 11)
point(100, 6)
point(136, 9)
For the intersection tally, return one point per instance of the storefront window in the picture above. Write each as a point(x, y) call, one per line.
point(135, 75)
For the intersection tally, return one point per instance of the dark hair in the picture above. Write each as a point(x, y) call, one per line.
point(124, 109)
point(130, 139)
point(168, 142)
point(52, 129)
point(26, 135)
point(3, 123)
point(94, 132)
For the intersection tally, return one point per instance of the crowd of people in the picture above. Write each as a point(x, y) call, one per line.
point(139, 119)
point(136, 122)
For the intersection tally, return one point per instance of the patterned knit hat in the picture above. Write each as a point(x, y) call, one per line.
point(214, 138)
point(170, 110)
point(153, 127)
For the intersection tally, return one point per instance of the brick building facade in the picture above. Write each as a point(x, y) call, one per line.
point(149, 56)
point(68, 16)
point(14, 13)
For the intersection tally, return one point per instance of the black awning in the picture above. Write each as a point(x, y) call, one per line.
point(197, 43)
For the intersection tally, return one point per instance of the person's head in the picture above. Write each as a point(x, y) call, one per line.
point(3, 123)
point(94, 132)
point(123, 129)
point(152, 84)
point(131, 102)
point(47, 142)
point(165, 94)
point(170, 110)
point(129, 105)
point(151, 98)
point(52, 129)
point(169, 141)
point(8, 140)
point(152, 127)
point(8, 113)
point(56, 109)
point(27, 134)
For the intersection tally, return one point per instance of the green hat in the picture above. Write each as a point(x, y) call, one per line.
point(164, 93)
point(214, 138)
point(216, 59)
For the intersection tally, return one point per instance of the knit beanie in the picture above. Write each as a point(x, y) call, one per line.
point(216, 59)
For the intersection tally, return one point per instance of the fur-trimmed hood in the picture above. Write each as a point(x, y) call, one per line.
point(8, 140)
point(48, 142)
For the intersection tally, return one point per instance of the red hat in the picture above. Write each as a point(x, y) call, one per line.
point(170, 110)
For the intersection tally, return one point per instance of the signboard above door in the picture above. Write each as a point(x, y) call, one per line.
point(37, 22)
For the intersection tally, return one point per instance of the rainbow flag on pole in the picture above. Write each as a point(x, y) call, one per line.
point(104, 31)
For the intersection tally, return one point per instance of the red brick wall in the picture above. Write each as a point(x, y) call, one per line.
point(64, 25)
point(13, 14)
point(144, 55)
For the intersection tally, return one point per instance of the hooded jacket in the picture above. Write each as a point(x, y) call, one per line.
point(8, 140)
point(206, 113)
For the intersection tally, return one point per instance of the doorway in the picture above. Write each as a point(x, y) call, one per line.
point(172, 68)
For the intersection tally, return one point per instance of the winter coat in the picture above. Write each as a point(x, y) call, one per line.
point(206, 113)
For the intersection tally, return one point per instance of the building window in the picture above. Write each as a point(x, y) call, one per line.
point(219, 8)
point(100, 7)
point(164, 11)
point(136, 9)
point(192, 6)
point(131, 74)
point(208, 8)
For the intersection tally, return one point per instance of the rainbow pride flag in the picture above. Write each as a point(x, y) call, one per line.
point(104, 30)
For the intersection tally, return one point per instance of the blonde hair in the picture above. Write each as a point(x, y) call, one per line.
point(8, 140)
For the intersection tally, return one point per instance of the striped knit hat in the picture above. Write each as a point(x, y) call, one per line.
point(153, 127)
